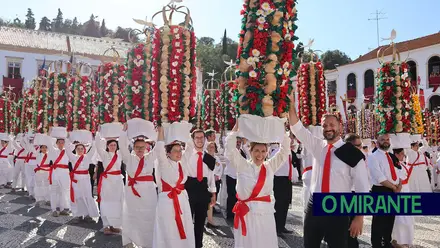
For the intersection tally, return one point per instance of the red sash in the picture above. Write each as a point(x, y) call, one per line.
point(174, 195)
point(309, 168)
point(408, 173)
point(56, 165)
point(412, 167)
point(107, 172)
point(241, 208)
point(18, 155)
point(133, 180)
point(1, 152)
point(42, 166)
point(72, 176)
point(29, 157)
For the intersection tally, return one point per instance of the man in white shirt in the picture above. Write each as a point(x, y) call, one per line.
point(200, 184)
point(385, 177)
point(334, 172)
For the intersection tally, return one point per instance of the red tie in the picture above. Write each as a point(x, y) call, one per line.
point(200, 167)
point(325, 187)
point(290, 167)
point(392, 169)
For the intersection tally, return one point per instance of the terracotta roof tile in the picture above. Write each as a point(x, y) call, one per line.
point(403, 46)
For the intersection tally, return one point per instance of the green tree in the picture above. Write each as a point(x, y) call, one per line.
point(45, 24)
point(331, 59)
point(57, 23)
point(103, 30)
point(67, 27)
point(30, 20)
point(17, 23)
point(123, 33)
point(91, 27)
point(75, 29)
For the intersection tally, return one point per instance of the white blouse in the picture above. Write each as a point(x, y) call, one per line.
point(87, 160)
point(167, 169)
point(105, 156)
point(131, 160)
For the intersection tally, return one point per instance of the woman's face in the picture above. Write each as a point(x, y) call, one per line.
point(401, 155)
point(211, 148)
point(80, 150)
point(4, 143)
point(112, 147)
point(259, 153)
point(43, 149)
point(176, 153)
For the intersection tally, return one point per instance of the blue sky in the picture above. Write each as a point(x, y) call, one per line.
point(336, 24)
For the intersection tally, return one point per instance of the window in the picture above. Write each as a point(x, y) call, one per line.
point(369, 79)
point(40, 65)
point(351, 85)
point(434, 71)
point(14, 69)
point(412, 70)
point(331, 87)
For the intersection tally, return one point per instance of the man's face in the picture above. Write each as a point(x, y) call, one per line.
point(199, 140)
point(211, 137)
point(331, 128)
point(384, 141)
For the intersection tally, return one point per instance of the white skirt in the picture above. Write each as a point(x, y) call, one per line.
point(42, 191)
point(84, 204)
point(112, 197)
point(138, 214)
point(260, 226)
point(166, 233)
point(223, 194)
point(5, 173)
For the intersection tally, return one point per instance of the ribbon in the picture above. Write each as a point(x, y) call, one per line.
point(72, 176)
point(29, 157)
point(18, 155)
point(1, 152)
point(42, 165)
point(133, 180)
point(174, 195)
point(107, 172)
point(241, 208)
point(56, 165)
point(309, 168)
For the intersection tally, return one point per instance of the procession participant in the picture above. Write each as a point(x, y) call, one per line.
point(174, 224)
point(307, 165)
point(282, 190)
point(139, 207)
point(333, 171)
point(403, 229)
point(200, 184)
point(19, 177)
point(418, 180)
point(254, 222)
point(81, 198)
point(41, 188)
point(231, 181)
point(30, 164)
point(110, 185)
point(211, 149)
point(5, 149)
point(59, 178)
point(385, 177)
point(10, 176)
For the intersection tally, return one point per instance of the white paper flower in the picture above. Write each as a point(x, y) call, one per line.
point(111, 71)
point(260, 12)
point(141, 62)
point(255, 53)
point(280, 71)
point(253, 74)
point(81, 88)
point(109, 84)
point(175, 64)
point(133, 88)
point(265, 6)
point(83, 116)
point(138, 56)
point(250, 61)
point(177, 44)
point(261, 20)
point(176, 30)
point(174, 72)
point(80, 112)
point(260, 27)
point(177, 36)
point(286, 65)
point(136, 83)
point(136, 91)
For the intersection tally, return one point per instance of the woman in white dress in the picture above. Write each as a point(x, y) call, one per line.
point(139, 208)
point(110, 186)
point(41, 188)
point(5, 167)
point(254, 221)
point(173, 225)
point(403, 229)
point(211, 149)
point(82, 203)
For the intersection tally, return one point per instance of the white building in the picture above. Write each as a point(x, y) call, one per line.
point(23, 51)
point(357, 79)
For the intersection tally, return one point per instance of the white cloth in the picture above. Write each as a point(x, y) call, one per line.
point(19, 178)
point(41, 189)
point(60, 187)
point(218, 170)
point(5, 166)
point(403, 230)
point(138, 213)
point(166, 233)
point(260, 221)
point(419, 180)
point(306, 162)
point(436, 174)
point(112, 192)
point(342, 176)
point(30, 165)
point(380, 168)
point(191, 157)
point(85, 204)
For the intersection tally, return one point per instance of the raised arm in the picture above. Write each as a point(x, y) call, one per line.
point(91, 152)
point(189, 148)
point(69, 148)
point(152, 155)
point(100, 145)
point(28, 147)
point(282, 155)
point(123, 147)
point(231, 152)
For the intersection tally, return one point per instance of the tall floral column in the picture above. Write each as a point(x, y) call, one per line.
point(111, 93)
point(56, 102)
point(5, 115)
point(417, 127)
point(227, 104)
point(142, 84)
point(210, 114)
point(265, 68)
point(80, 103)
point(394, 101)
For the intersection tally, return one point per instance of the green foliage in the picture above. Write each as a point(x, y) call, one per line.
point(30, 20)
